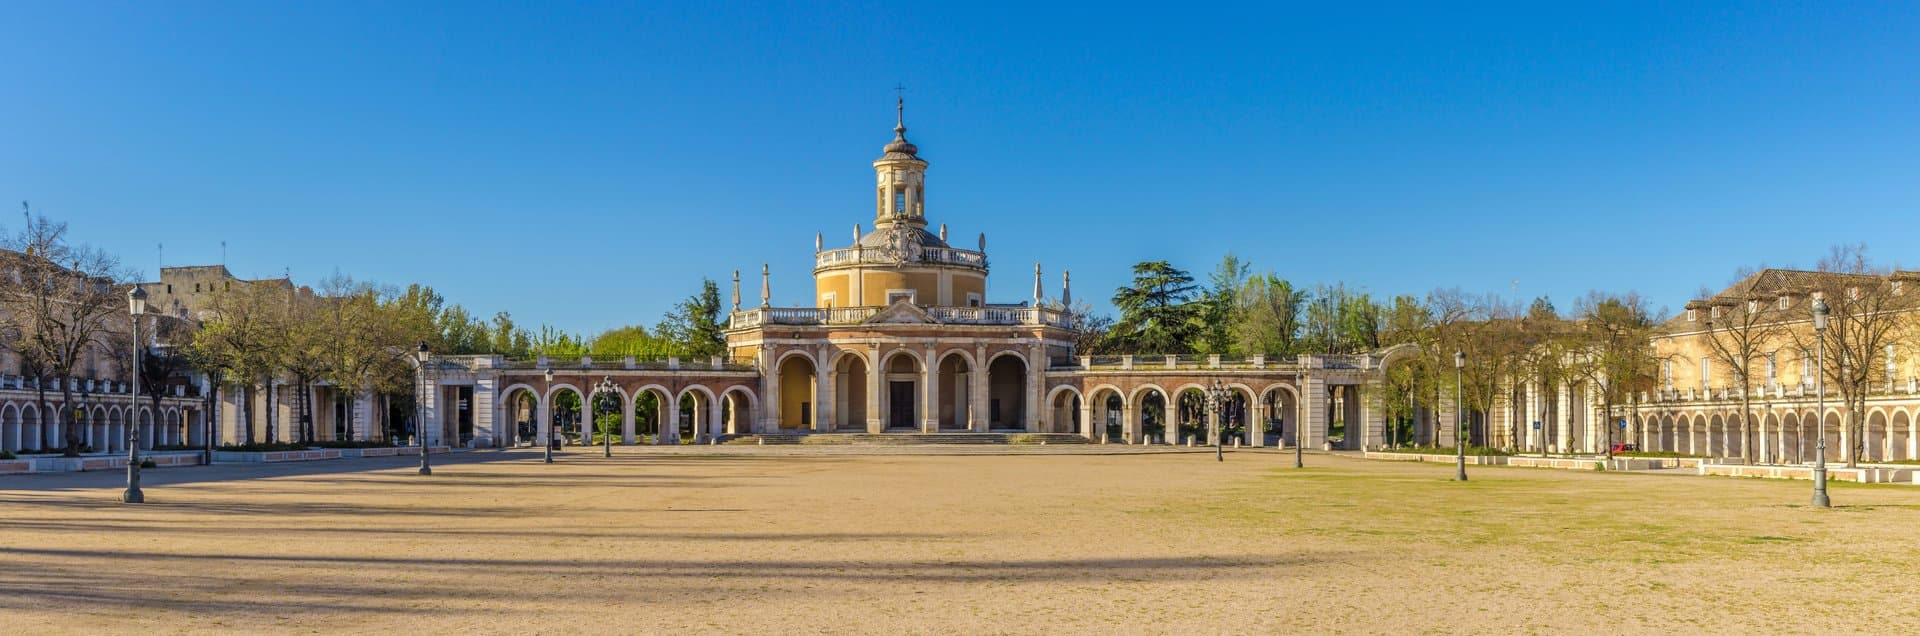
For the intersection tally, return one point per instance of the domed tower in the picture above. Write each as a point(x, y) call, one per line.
point(899, 259)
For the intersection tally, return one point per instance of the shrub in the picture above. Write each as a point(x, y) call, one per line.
point(6, 455)
point(148, 463)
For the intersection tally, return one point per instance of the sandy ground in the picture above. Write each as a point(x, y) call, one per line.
point(790, 541)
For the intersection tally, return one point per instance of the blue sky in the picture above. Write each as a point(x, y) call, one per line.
point(584, 167)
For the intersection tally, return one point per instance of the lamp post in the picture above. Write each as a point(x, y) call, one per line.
point(546, 445)
point(1820, 410)
point(606, 387)
point(420, 356)
point(136, 305)
point(1216, 401)
point(1460, 416)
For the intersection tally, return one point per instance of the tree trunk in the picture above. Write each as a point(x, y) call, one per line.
point(349, 400)
point(246, 413)
point(1746, 430)
point(70, 433)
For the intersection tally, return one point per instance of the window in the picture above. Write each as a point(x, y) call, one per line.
point(1783, 302)
point(1753, 306)
point(1706, 371)
point(1773, 368)
point(1690, 316)
point(826, 299)
point(1806, 369)
point(1668, 372)
point(1891, 370)
point(806, 414)
point(169, 289)
point(897, 295)
point(899, 202)
point(973, 299)
point(1713, 312)
point(196, 288)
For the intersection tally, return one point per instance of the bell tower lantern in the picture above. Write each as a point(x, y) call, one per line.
point(901, 194)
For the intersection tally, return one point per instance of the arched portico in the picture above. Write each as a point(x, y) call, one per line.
point(901, 390)
point(1063, 413)
point(955, 378)
point(1007, 402)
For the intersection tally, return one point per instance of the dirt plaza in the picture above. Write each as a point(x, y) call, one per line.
point(800, 540)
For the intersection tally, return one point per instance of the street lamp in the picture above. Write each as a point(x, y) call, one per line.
point(606, 387)
point(1460, 416)
point(546, 444)
point(1216, 400)
point(420, 356)
point(1820, 410)
point(1297, 463)
point(136, 305)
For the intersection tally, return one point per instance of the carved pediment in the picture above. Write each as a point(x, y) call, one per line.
point(902, 313)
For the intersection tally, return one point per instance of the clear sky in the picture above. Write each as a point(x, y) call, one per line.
point(585, 167)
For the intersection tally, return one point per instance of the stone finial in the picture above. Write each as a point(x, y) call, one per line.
point(1037, 292)
point(983, 242)
point(1066, 289)
point(736, 290)
point(943, 232)
point(856, 234)
point(819, 241)
point(766, 288)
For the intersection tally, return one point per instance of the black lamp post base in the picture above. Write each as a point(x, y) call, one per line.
point(425, 470)
point(133, 495)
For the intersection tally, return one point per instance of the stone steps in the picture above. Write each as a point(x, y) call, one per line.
point(903, 439)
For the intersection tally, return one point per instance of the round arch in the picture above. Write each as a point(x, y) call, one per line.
point(1063, 407)
point(1147, 418)
point(741, 406)
point(700, 419)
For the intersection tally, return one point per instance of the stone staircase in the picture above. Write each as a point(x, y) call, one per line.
point(902, 439)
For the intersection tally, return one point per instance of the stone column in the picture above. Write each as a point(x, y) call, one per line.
point(429, 424)
point(770, 378)
point(542, 419)
point(1130, 424)
point(977, 392)
point(715, 426)
point(486, 421)
point(1313, 412)
point(930, 389)
point(823, 391)
point(1257, 426)
point(1087, 428)
point(670, 434)
point(876, 420)
point(1036, 384)
point(627, 423)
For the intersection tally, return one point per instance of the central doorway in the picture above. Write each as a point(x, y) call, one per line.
point(900, 405)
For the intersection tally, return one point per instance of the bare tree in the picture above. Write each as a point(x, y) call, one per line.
point(1613, 352)
point(60, 300)
point(1871, 314)
point(1742, 326)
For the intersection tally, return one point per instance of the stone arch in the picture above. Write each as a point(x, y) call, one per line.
point(1902, 436)
point(149, 434)
point(740, 406)
point(1282, 404)
point(598, 421)
point(34, 432)
point(1150, 405)
point(1105, 407)
point(1064, 406)
point(954, 373)
point(521, 417)
point(1007, 407)
point(902, 394)
point(112, 434)
point(798, 384)
point(852, 375)
point(1835, 422)
point(10, 428)
point(651, 412)
point(698, 419)
point(1770, 452)
point(1792, 438)
point(1874, 445)
point(566, 421)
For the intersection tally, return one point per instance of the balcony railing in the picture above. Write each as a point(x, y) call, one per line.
point(882, 256)
point(856, 315)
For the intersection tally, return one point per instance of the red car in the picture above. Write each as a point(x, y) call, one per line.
point(1624, 447)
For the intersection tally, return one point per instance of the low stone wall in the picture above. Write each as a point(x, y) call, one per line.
point(1865, 475)
point(1438, 459)
point(317, 454)
point(1567, 463)
point(58, 464)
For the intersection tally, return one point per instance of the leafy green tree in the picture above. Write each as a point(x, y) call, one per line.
point(1157, 312)
point(1216, 314)
point(695, 324)
point(1268, 316)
